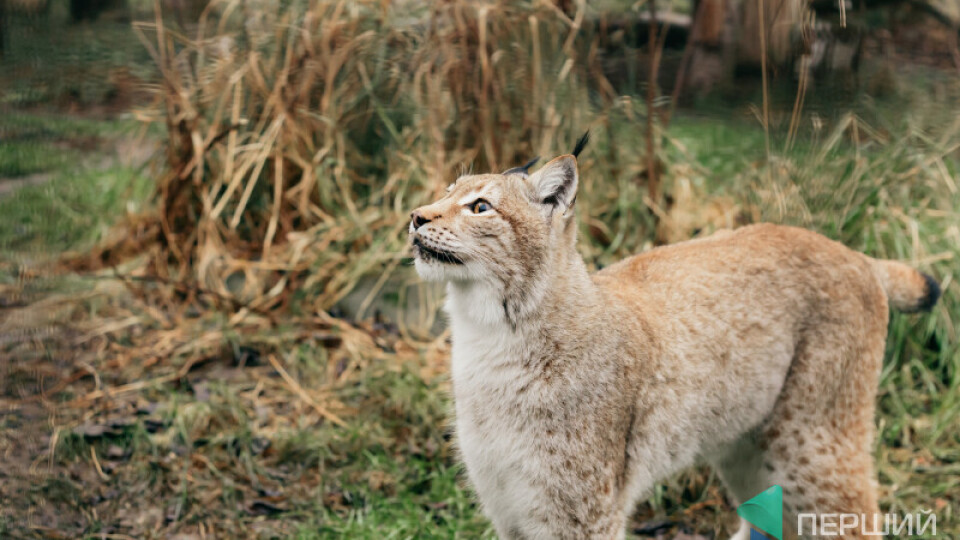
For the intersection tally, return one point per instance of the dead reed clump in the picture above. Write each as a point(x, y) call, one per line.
point(298, 137)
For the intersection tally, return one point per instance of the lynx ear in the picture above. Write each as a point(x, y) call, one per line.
point(555, 183)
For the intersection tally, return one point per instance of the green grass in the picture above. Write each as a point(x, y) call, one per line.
point(39, 143)
point(56, 126)
point(51, 60)
point(388, 482)
point(430, 503)
point(20, 158)
point(72, 211)
point(84, 188)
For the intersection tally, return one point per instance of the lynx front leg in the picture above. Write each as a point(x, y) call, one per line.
point(579, 510)
point(607, 527)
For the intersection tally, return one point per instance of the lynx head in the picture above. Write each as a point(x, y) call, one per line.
point(499, 230)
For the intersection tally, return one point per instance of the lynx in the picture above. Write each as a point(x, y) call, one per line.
point(756, 350)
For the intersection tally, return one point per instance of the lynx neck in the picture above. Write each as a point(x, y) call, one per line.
point(483, 311)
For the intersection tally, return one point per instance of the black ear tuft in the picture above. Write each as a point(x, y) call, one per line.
point(581, 142)
point(523, 169)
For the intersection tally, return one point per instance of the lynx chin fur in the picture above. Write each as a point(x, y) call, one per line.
point(756, 350)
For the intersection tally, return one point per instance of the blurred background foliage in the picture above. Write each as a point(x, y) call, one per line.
point(208, 322)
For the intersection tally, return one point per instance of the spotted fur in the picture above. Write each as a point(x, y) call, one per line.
point(756, 350)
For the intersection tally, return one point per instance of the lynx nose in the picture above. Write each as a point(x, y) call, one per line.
point(418, 219)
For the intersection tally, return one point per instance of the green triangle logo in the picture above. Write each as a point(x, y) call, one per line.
point(765, 512)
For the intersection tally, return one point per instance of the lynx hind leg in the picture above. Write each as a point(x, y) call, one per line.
point(817, 443)
point(826, 477)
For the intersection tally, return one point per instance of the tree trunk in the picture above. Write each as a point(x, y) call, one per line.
point(713, 45)
point(3, 27)
point(781, 19)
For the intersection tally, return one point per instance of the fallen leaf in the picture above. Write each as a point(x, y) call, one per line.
point(653, 527)
point(94, 431)
point(259, 445)
point(152, 425)
point(202, 392)
point(264, 508)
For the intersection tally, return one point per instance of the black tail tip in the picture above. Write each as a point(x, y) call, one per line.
point(581, 143)
point(930, 295)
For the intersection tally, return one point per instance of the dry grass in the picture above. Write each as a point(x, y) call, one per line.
point(298, 139)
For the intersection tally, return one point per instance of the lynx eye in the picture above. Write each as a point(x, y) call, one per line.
point(479, 206)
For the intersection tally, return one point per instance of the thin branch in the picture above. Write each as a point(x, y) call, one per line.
point(653, 179)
